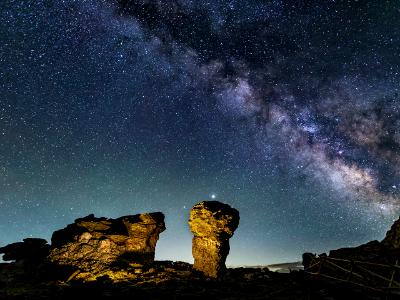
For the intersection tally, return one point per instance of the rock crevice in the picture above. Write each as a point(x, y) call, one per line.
point(93, 244)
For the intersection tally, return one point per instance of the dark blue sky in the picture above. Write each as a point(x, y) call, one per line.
point(285, 110)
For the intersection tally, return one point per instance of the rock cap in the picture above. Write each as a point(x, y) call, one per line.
point(213, 218)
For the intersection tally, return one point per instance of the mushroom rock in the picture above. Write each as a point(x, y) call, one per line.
point(93, 244)
point(212, 224)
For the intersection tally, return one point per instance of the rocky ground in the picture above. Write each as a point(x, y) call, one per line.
point(103, 258)
point(171, 280)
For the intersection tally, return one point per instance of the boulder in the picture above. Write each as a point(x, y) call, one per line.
point(212, 224)
point(31, 250)
point(93, 244)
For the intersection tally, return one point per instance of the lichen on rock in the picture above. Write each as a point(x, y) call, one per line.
point(213, 224)
point(94, 244)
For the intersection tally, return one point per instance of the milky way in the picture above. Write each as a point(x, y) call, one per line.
point(287, 110)
point(340, 124)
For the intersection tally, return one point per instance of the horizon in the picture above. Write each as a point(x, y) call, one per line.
point(188, 244)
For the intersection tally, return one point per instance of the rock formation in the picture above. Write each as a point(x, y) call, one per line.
point(30, 251)
point(386, 251)
point(92, 244)
point(212, 224)
point(392, 238)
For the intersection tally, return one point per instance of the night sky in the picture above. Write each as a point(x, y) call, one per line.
point(287, 110)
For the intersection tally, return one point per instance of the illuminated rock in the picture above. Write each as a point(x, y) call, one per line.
point(92, 244)
point(212, 224)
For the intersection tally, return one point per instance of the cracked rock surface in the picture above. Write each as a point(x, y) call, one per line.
point(92, 244)
point(213, 224)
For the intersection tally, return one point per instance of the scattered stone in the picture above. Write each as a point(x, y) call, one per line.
point(212, 224)
point(93, 244)
point(175, 281)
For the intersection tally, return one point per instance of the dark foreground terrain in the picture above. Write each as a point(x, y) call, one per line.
point(174, 280)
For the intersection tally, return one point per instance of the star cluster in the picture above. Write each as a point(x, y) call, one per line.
point(287, 110)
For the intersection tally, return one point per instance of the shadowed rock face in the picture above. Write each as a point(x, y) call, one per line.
point(386, 251)
point(212, 224)
point(93, 244)
point(392, 238)
point(31, 250)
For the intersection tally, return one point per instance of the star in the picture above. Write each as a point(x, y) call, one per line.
point(111, 110)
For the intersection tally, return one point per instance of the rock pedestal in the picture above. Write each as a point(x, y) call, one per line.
point(93, 244)
point(212, 224)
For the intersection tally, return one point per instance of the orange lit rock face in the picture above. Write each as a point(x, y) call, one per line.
point(212, 224)
point(93, 244)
